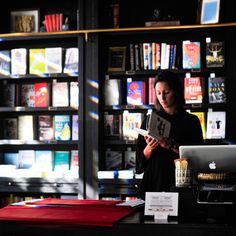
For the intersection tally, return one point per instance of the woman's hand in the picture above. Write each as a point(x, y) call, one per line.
point(151, 145)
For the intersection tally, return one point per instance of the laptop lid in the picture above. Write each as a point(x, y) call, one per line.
point(210, 158)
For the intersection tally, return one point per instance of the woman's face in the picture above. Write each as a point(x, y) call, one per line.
point(165, 95)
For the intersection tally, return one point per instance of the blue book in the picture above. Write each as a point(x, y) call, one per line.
point(62, 127)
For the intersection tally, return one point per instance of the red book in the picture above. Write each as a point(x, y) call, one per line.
point(193, 92)
point(41, 94)
point(136, 92)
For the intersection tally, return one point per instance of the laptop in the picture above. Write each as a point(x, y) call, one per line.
point(212, 159)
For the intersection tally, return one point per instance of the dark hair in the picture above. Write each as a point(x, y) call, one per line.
point(174, 83)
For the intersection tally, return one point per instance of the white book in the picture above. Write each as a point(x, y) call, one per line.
point(53, 58)
point(112, 92)
point(74, 93)
point(71, 63)
point(18, 61)
point(216, 124)
point(60, 94)
point(25, 127)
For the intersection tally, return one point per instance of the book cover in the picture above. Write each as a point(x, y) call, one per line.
point(131, 120)
point(136, 92)
point(9, 94)
point(62, 127)
point(112, 92)
point(18, 61)
point(158, 127)
point(5, 62)
point(26, 127)
point(74, 163)
point(10, 130)
point(112, 126)
point(191, 55)
point(41, 94)
point(75, 127)
point(130, 159)
point(74, 94)
point(53, 57)
point(71, 63)
point(151, 91)
point(215, 54)
point(45, 127)
point(61, 161)
point(60, 94)
point(26, 159)
point(27, 95)
point(37, 63)
point(193, 90)
point(113, 160)
point(202, 117)
point(10, 158)
point(216, 124)
point(216, 90)
point(44, 161)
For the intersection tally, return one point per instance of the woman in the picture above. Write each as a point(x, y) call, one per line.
point(156, 157)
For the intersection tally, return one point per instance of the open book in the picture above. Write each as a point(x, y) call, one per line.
point(158, 127)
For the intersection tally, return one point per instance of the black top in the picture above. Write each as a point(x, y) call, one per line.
point(159, 169)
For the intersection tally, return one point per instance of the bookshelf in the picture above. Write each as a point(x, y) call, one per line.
point(132, 31)
point(45, 146)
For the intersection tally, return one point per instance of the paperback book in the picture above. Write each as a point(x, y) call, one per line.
point(216, 90)
point(193, 90)
point(158, 127)
point(5, 62)
point(215, 54)
point(62, 127)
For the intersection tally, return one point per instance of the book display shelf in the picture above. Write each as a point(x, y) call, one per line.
point(127, 86)
point(39, 110)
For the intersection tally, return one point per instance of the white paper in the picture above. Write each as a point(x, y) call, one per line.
point(161, 204)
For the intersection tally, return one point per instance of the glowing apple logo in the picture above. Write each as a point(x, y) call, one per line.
point(212, 165)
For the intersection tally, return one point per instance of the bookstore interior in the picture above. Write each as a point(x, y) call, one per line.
point(77, 79)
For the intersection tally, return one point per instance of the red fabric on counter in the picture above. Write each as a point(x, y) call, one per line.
point(98, 213)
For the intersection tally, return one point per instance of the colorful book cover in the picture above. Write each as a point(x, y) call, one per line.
point(62, 127)
point(216, 90)
point(45, 127)
point(215, 54)
point(71, 64)
point(136, 92)
point(191, 55)
point(74, 163)
point(5, 62)
point(37, 63)
point(193, 90)
point(61, 161)
point(216, 124)
point(131, 120)
point(41, 94)
point(151, 91)
point(27, 95)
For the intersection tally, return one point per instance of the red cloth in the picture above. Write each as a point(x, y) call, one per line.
point(95, 214)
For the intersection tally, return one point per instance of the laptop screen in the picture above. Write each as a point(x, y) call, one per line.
point(210, 158)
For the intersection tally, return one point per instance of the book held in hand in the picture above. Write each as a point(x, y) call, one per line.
point(158, 127)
